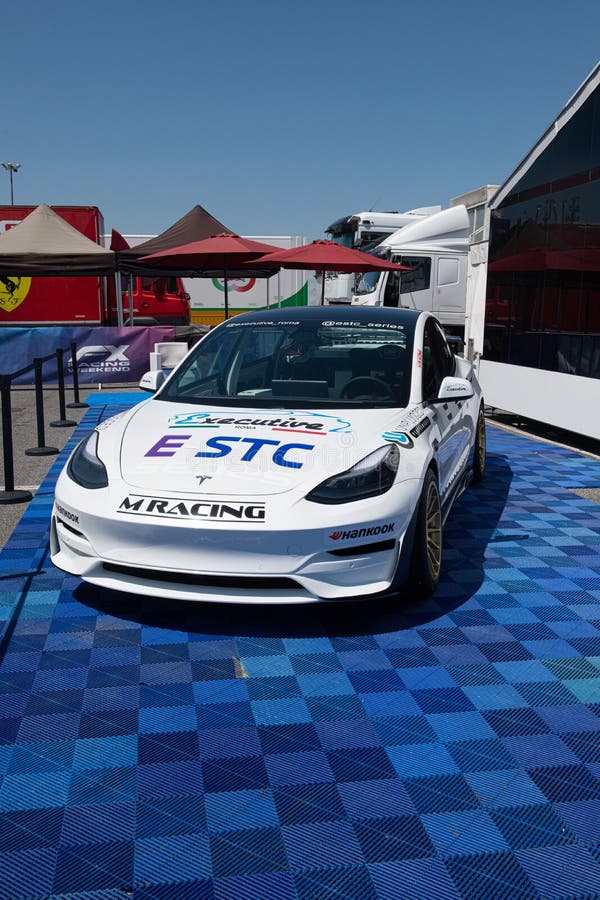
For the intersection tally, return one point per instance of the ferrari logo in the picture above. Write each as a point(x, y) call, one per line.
point(13, 290)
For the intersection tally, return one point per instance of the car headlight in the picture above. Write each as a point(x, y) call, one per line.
point(85, 467)
point(370, 476)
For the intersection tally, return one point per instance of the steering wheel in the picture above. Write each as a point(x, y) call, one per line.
point(365, 387)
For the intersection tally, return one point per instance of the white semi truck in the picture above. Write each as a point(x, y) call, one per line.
point(435, 250)
point(364, 231)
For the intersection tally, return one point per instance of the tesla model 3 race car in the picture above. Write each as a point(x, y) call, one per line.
point(293, 456)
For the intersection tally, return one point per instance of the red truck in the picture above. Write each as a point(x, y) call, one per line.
point(84, 300)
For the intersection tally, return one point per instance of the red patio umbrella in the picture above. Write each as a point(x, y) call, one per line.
point(327, 256)
point(220, 253)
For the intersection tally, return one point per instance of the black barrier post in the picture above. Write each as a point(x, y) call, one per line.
point(9, 494)
point(63, 422)
point(41, 449)
point(77, 404)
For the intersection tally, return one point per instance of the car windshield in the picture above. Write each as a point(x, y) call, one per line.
point(309, 363)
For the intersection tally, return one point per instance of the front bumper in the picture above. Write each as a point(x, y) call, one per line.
point(233, 563)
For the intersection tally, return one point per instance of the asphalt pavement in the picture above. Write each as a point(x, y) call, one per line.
point(30, 470)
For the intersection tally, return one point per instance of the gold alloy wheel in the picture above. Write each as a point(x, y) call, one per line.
point(481, 442)
point(434, 531)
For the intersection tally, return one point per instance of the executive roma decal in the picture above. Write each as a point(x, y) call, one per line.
point(289, 420)
point(212, 510)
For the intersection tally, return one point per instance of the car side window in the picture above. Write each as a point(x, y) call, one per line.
point(438, 361)
point(445, 352)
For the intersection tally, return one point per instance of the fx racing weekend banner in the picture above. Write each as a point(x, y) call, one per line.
point(104, 355)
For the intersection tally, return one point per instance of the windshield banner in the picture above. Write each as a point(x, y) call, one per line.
point(104, 355)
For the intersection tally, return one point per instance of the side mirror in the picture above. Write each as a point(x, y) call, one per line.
point(151, 381)
point(454, 389)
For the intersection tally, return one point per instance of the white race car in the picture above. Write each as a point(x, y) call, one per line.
point(296, 455)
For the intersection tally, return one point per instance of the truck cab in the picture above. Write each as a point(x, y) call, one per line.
point(436, 252)
point(364, 231)
point(155, 300)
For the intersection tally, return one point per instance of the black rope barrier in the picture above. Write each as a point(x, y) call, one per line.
point(41, 449)
point(63, 422)
point(77, 403)
point(10, 494)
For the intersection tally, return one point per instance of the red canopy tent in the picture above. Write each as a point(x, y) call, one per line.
point(196, 225)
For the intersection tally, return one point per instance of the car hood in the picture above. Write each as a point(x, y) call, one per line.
point(178, 448)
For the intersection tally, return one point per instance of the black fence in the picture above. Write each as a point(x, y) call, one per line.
point(10, 494)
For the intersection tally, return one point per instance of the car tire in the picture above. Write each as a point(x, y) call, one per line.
point(426, 563)
point(480, 447)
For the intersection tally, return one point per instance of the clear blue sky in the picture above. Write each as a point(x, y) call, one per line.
point(279, 116)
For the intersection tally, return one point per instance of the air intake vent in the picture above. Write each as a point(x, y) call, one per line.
point(226, 581)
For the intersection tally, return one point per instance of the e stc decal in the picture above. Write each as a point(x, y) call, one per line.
point(240, 285)
point(13, 290)
point(216, 447)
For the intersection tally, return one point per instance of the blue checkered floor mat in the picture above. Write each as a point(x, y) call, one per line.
point(443, 750)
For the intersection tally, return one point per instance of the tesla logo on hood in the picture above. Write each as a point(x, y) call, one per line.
point(362, 532)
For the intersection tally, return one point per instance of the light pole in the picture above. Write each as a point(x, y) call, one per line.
point(10, 168)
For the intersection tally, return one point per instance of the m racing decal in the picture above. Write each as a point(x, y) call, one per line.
point(212, 510)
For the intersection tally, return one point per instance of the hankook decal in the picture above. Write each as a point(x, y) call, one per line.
point(67, 514)
point(362, 532)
